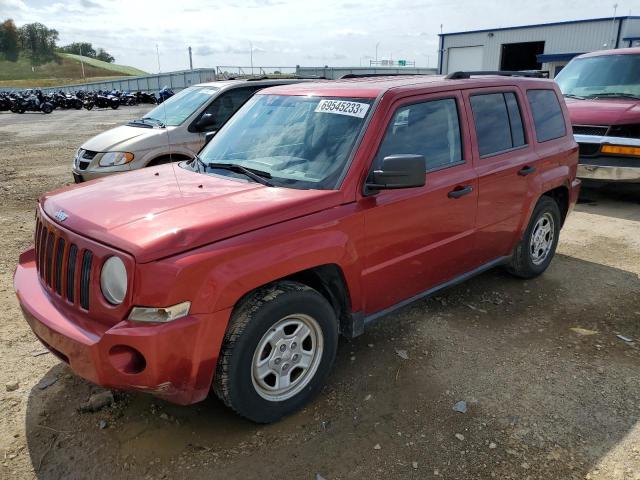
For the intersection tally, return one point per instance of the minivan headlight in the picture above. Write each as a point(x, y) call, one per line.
point(111, 159)
point(113, 280)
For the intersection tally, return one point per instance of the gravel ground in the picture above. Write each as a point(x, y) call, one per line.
point(551, 391)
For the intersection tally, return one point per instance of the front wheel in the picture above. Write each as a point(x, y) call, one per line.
point(535, 251)
point(279, 347)
point(46, 108)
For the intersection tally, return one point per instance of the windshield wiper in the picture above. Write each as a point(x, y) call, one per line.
point(158, 122)
point(139, 123)
point(571, 95)
point(255, 175)
point(614, 95)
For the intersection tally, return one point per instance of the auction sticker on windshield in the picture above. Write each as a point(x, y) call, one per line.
point(343, 107)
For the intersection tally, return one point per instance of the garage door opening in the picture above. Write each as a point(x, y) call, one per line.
point(521, 56)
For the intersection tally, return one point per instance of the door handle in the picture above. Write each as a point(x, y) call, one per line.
point(523, 172)
point(460, 191)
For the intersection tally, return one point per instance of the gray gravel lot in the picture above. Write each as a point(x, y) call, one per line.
point(551, 391)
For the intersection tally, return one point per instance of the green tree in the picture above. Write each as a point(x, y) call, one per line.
point(105, 56)
point(38, 41)
point(80, 48)
point(9, 40)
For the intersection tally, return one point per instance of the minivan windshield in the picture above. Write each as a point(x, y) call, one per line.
point(295, 141)
point(178, 108)
point(604, 76)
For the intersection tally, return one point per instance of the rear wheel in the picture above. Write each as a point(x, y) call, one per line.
point(279, 347)
point(46, 108)
point(535, 251)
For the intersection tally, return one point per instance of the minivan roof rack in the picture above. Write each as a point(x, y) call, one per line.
point(278, 77)
point(503, 73)
point(365, 75)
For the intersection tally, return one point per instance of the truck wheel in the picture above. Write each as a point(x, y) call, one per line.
point(279, 347)
point(534, 252)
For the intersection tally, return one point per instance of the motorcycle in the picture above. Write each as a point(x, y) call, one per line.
point(165, 94)
point(67, 101)
point(145, 97)
point(32, 101)
point(101, 100)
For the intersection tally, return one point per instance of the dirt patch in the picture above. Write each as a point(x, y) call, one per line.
point(551, 391)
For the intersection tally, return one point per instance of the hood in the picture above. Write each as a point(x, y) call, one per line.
point(125, 137)
point(161, 211)
point(603, 111)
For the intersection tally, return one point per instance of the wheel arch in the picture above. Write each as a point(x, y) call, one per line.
point(167, 158)
point(328, 280)
point(561, 196)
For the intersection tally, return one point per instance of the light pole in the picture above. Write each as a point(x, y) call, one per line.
point(251, 56)
point(377, 45)
point(158, 56)
point(81, 62)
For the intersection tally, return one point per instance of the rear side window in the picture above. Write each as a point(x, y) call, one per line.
point(498, 122)
point(547, 114)
point(431, 129)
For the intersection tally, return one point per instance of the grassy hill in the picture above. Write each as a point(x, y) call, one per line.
point(66, 70)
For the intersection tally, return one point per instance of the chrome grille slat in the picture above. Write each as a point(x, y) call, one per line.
point(85, 277)
point(59, 266)
point(71, 272)
point(49, 258)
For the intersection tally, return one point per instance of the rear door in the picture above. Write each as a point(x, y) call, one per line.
point(418, 238)
point(505, 163)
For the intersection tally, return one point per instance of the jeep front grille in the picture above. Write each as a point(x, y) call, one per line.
point(57, 261)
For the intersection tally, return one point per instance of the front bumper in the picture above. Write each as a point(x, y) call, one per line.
point(80, 176)
point(179, 358)
point(593, 165)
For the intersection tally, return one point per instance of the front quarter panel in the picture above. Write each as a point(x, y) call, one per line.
point(216, 276)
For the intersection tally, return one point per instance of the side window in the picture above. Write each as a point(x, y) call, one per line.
point(498, 122)
point(431, 129)
point(547, 114)
point(224, 106)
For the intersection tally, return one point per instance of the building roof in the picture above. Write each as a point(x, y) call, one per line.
point(551, 24)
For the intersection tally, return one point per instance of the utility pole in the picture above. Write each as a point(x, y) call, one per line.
point(613, 26)
point(81, 62)
point(158, 55)
point(377, 45)
point(251, 56)
point(190, 60)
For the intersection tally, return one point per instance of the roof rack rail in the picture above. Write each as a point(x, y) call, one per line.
point(276, 77)
point(365, 75)
point(502, 73)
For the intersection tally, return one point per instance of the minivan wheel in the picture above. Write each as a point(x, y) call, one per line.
point(534, 252)
point(279, 347)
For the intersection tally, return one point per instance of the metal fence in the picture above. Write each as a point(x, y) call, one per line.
point(185, 78)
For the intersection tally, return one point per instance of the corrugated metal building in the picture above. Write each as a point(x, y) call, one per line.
point(547, 46)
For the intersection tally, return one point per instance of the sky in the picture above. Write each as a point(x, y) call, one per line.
point(285, 33)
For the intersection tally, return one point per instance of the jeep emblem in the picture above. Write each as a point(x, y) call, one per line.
point(60, 215)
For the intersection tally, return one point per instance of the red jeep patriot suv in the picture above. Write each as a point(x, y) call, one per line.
point(315, 210)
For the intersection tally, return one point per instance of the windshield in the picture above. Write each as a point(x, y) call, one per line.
point(606, 74)
point(299, 141)
point(178, 108)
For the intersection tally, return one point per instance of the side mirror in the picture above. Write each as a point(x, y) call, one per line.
point(398, 171)
point(208, 136)
point(206, 121)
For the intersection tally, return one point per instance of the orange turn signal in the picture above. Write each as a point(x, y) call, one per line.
point(620, 150)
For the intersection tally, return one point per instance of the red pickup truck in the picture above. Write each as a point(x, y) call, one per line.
point(603, 97)
point(315, 210)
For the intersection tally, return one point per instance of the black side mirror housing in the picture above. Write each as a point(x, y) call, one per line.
point(397, 171)
point(206, 121)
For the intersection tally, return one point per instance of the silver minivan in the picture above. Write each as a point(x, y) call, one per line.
point(175, 130)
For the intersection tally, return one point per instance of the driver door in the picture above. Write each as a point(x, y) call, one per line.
point(419, 238)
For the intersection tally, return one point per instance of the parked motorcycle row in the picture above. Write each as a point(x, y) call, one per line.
point(35, 101)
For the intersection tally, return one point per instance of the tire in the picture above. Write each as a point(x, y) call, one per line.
point(47, 108)
point(267, 328)
point(115, 105)
point(534, 252)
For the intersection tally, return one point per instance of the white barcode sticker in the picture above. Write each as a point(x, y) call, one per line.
point(343, 107)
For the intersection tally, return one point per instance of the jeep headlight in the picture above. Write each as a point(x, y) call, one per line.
point(113, 280)
point(112, 159)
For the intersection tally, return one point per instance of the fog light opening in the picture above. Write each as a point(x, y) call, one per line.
point(127, 359)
